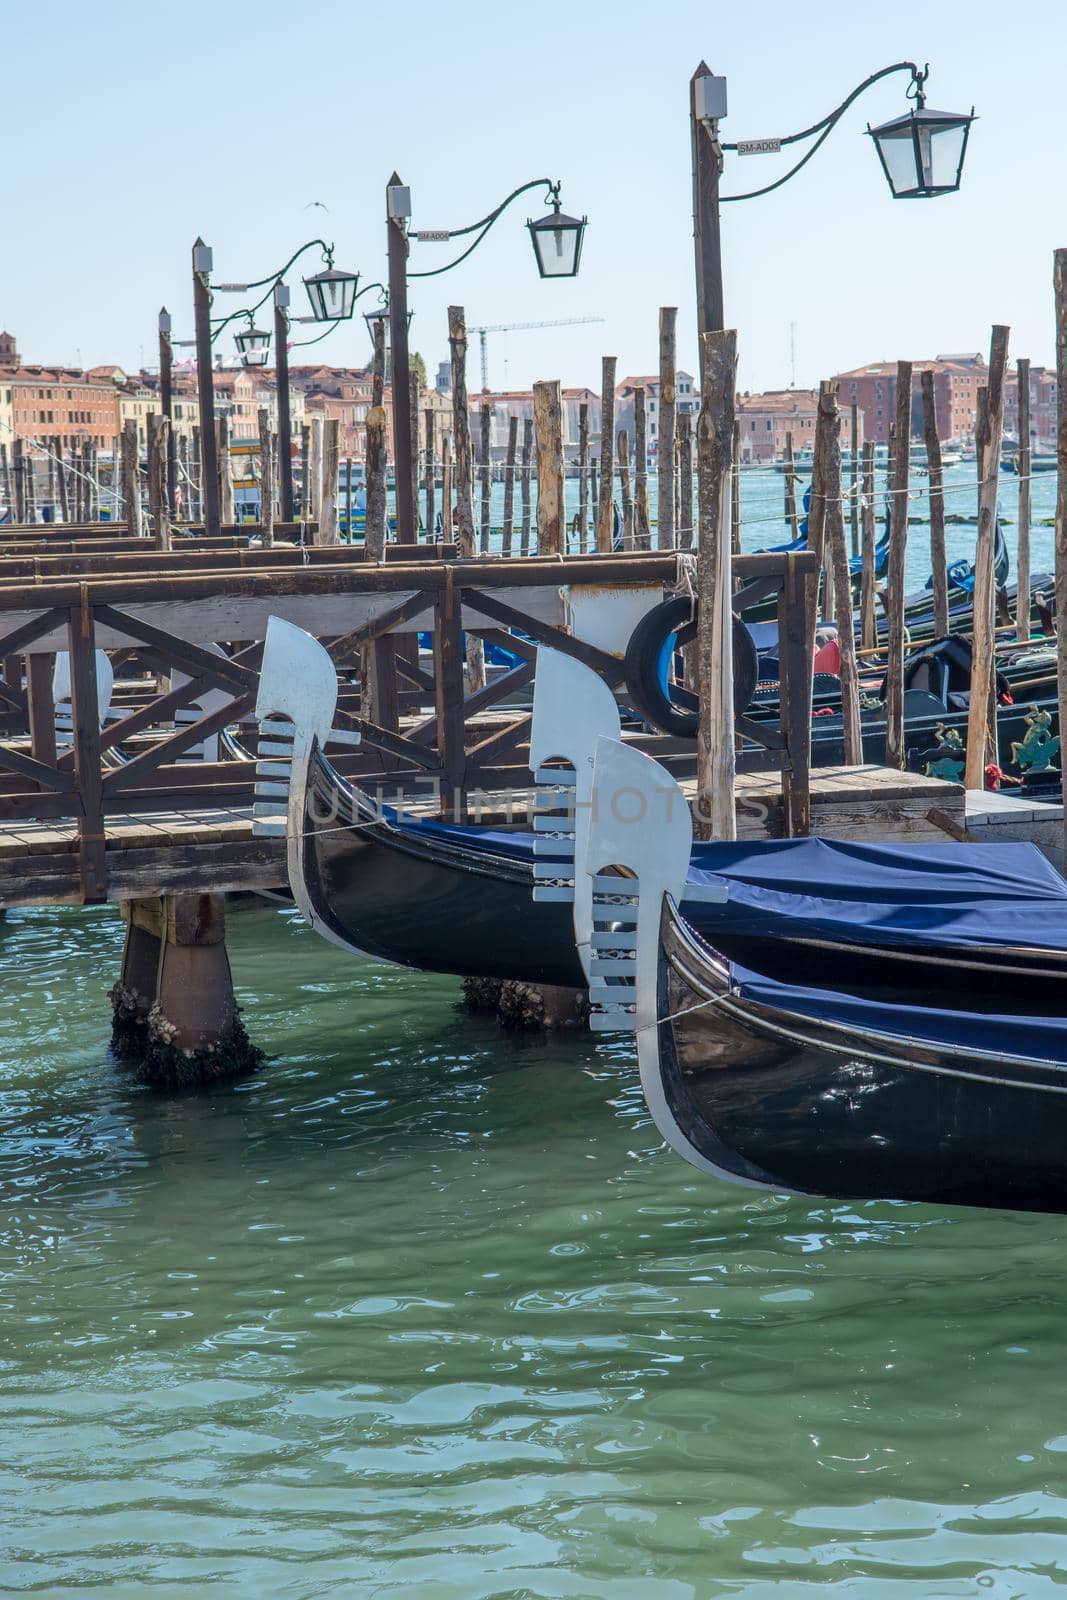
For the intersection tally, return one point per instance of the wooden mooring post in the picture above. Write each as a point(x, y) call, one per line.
point(525, 472)
point(666, 528)
point(1060, 287)
point(854, 479)
point(331, 465)
point(583, 477)
point(605, 521)
point(508, 531)
point(222, 435)
point(485, 416)
point(266, 479)
point(464, 474)
point(1025, 464)
point(791, 516)
point(838, 553)
point(868, 576)
point(936, 483)
point(131, 487)
point(981, 724)
point(715, 811)
point(548, 426)
point(158, 498)
point(622, 446)
point(429, 472)
point(642, 524)
point(898, 549)
point(685, 480)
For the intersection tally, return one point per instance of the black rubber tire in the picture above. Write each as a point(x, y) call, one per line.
point(679, 715)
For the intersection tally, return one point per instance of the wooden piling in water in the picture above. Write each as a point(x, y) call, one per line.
point(485, 415)
point(854, 479)
point(938, 556)
point(838, 554)
point(429, 472)
point(666, 528)
point(715, 810)
point(868, 576)
point(61, 481)
point(735, 492)
point(981, 728)
point(898, 549)
point(525, 471)
point(375, 528)
point(331, 466)
point(622, 445)
point(222, 433)
point(605, 521)
point(548, 427)
point(413, 413)
point(1024, 461)
point(642, 523)
point(1060, 287)
point(314, 478)
point(158, 499)
point(684, 513)
point(583, 478)
point(791, 489)
point(266, 479)
point(5, 482)
point(446, 485)
point(508, 531)
point(131, 488)
point(464, 473)
point(306, 512)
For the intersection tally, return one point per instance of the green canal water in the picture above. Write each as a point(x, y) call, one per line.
point(424, 1311)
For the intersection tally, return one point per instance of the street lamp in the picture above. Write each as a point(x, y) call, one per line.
point(557, 243)
point(921, 154)
point(253, 344)
point(332, 293)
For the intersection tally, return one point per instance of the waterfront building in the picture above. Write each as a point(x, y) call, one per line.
point(55, 402)
point(957, 379)
point(766, 419)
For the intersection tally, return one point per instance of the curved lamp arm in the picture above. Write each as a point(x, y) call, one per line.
point(481, 228)
point(827, 125)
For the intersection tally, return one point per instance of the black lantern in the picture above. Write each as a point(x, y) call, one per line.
point(254, 346)
point(557, 242)
point(922, 153)
point(380, 314)
point(332, 294)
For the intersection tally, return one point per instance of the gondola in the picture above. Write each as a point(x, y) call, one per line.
point(812, 1090)
point(516, 903)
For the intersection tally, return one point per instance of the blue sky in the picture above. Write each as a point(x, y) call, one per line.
point(168, 120)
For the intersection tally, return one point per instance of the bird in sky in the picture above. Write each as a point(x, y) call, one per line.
point(318, 203)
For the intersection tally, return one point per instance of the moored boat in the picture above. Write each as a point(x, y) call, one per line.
point(810, 1088)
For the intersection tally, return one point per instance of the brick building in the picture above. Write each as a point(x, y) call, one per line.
point(1043, 407)
point(766, 419)
point(55, 403)
point(957, 379)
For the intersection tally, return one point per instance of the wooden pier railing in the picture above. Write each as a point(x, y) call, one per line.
point(163, 631)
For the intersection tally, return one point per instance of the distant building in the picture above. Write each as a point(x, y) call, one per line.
point(767, 420)
point(58, 403)
point(1043, 408)
point(686, 399)
point(957, 379)
point(507, 403)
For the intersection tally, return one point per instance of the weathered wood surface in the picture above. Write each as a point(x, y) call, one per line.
point(838, 551)
point(642, 524)
point(666, 532)
point(508, 530)
point(898, 548)
point(331, 464)
point(715, 735)
point(525, 477)
point(485, 418)
point(548, 427)
point(938, 556)
point(868, 578)
point(623, 451)
point(605, 522)
point(1023, 517)
point(463, 475)
point(266, 478)
point(583, 477)
point(988, 434)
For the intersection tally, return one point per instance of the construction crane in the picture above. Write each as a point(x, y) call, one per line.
point(519, 327)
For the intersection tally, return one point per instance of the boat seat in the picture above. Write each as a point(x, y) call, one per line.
point(917, 703)
point(959, 699)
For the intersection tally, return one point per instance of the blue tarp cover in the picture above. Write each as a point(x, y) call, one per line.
point(910, 896)
point(881, 894)
point(1030, 1038)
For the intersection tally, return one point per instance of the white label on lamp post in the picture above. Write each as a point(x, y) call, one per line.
point(433, 235)
point(759, 147)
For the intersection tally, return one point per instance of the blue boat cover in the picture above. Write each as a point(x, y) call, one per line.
point(880, 894)
point(906, 896)
point(1029, 1038)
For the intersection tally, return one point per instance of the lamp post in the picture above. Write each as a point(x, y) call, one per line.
point(205, 389)
point(332, 295)
point(281, 378)
point(166, 401)
point(921, 154)
point(557, 245)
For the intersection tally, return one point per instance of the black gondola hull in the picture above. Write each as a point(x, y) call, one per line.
point(795, 1104)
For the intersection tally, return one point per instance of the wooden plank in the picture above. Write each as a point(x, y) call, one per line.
point(87, 768)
